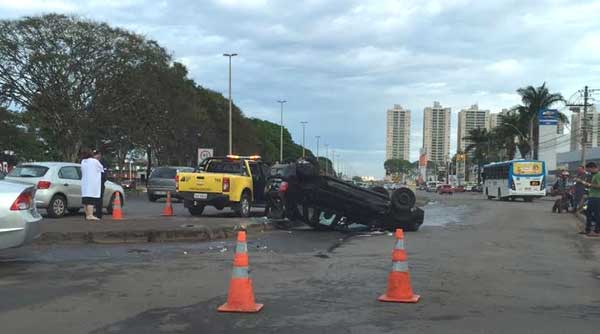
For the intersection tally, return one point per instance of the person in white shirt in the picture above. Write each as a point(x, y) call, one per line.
point(91, 178)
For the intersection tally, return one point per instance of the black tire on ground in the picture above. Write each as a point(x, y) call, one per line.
point(73, 210)
point(244, 207)
point(196, 210)
point(152, 198)
point(381, 190)
point(403, 199)
point(528, 199)
point(57, 206)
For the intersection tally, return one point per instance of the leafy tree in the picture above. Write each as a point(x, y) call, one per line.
point(397, 166)
point(269, 137)
point(480, 146)
point(16, 137)
point(357, 179)
point(533, 99)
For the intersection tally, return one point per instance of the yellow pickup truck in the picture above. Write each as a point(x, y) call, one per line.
point(231, 181)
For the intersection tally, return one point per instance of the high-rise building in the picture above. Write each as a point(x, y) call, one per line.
point(436, 133)
point(591, 127)
point(398, 133)
point(495, 118)
point(469, 119)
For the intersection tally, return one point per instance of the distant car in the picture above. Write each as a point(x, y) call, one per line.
point(477, 188)
point(128, 184)
point(59, 186)
point(19, 218)
point(162, 180)
point(445, 189)
point(460, 189)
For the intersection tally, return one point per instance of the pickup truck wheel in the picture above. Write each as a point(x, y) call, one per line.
point(196, 210)
point(244, 207)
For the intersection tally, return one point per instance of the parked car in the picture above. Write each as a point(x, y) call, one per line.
point(162, 180)
point(432, 186)
point(19, 218)
point(445, 189)
point(460, 189)
point(59, 186)
point(477, 188)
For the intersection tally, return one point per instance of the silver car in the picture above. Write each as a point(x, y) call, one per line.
point(19, 219)
point(59, 186)
point(162, 180)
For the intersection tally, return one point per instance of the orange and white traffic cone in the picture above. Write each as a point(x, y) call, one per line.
point(399, 289)
point(168, 210)
point(117, 213)
point(241, 294)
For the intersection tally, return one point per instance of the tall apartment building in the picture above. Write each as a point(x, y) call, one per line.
point(436, 132)
point(592, 127)
point(495, 118)
point(398, 133)
point(469, 119)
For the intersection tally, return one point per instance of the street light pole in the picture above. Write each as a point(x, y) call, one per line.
point(281, 102)
point(230, 55)
point(318, 137)
point(326, 158)
point(303, 133)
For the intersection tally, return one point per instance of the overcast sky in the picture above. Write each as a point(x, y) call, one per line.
point(342, 63)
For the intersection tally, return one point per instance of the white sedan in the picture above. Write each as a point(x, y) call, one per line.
point(19, 219)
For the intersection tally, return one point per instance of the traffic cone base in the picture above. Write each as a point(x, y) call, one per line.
point(386, 298)
point(253, 309)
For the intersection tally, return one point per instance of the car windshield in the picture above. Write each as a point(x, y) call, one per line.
point(164, 173)
point(28, 171)
point(224, 166)
point(282, 170)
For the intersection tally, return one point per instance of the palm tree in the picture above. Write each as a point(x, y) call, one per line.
point(480, 143)
point(510, 127)
point(533, 100)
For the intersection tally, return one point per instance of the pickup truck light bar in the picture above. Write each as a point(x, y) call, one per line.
point(252, 157)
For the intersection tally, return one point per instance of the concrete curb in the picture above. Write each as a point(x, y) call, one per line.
point(182, 234)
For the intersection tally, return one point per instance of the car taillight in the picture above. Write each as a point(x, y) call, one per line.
point(283, 187)
point(44, 184)
point(23, 202)
point(225, 184)
point(177, 182)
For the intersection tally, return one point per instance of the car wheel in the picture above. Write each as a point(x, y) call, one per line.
point(196, 210)
point(152, 198)
point(244, 207)
point(73, 210)
point(57, 206)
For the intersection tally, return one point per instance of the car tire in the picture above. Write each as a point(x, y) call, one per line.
point(57, 207)
point(196, 210)
point(152, 198)
point(244, 207)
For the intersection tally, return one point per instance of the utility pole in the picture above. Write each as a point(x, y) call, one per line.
point(230, 55)
point(333, 162)
point(303, 144)
point(318, 137)
point(326, 158)
point(281, 102)
point(584, 125)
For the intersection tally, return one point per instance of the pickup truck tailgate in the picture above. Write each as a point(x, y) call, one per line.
point(201, 182)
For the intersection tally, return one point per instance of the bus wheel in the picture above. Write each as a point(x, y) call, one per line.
point(488, 195)
point(499, 197)
point(528, 199)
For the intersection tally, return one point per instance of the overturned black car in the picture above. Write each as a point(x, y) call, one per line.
point(296, 191)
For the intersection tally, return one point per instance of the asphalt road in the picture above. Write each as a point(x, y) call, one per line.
point(480, 266)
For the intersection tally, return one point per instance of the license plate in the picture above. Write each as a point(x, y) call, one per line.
point(200, 196)
point(535, 183)
point(160, 192)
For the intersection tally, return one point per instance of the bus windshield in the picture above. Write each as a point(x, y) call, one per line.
point(527, 168)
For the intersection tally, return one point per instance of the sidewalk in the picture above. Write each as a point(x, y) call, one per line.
point(140, 230)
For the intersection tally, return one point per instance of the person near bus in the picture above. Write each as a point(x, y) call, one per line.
point(579, 189)
point(561, 189)
point(593, 205)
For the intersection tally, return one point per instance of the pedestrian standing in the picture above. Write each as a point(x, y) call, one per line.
point(98, 156)
point(91, 177)
point(579, 189)
point(593, 206)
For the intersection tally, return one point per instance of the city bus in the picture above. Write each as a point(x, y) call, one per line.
point(524, 179)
